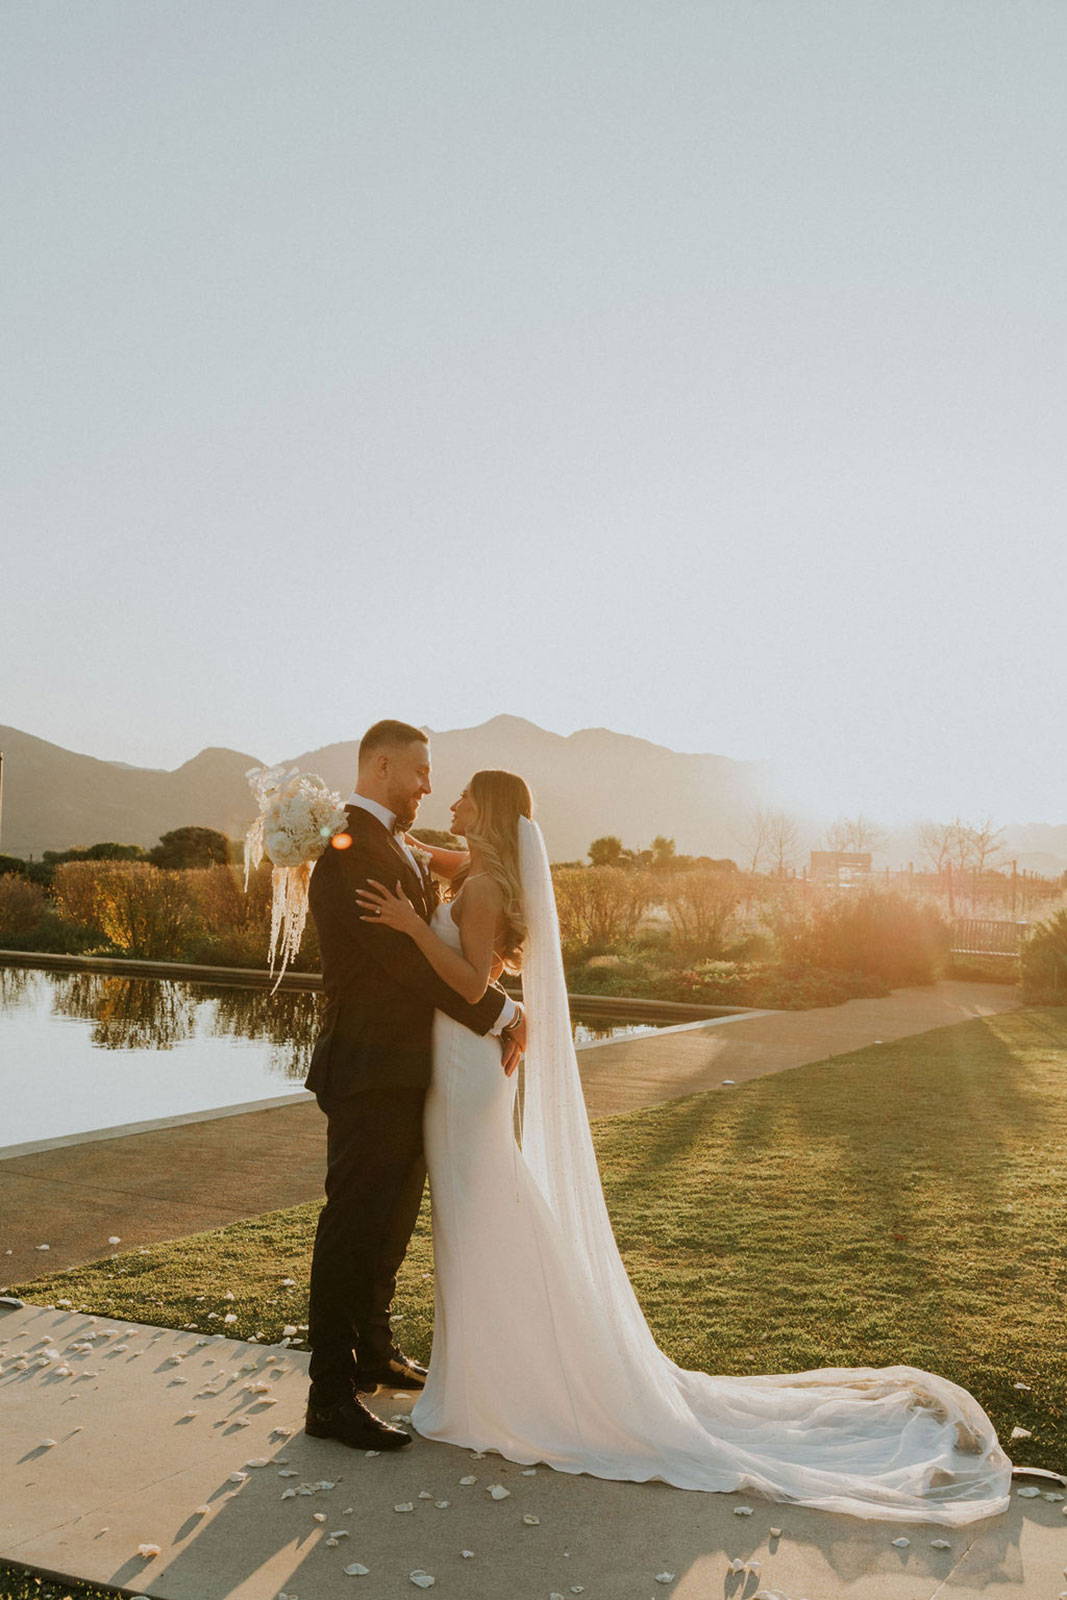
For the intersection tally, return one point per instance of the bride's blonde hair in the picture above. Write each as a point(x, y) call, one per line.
point(501, 798)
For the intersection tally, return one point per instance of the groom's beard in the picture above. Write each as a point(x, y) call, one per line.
point(405, 812)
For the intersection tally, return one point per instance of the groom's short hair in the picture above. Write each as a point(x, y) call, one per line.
point(388, 735)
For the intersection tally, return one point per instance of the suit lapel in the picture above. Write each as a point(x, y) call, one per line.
point(425, 902)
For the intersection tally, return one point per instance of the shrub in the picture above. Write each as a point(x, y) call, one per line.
point(701, 905)
point(599, 906)
point(887, 936)
point(1044, 961)
point(22, 905)
point(232, 926)
point(141, 910)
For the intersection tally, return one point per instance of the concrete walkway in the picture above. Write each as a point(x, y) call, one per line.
point(161, 1439)
point(172, 1181)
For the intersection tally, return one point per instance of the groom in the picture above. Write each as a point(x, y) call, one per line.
point(370, 1070)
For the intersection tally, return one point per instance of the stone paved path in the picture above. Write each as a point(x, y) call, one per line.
point(171, 1181)
point(150, 1425)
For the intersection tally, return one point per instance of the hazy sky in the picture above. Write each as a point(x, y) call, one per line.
point(697, 370)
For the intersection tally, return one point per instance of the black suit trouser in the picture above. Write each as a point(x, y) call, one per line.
point(375, 1172)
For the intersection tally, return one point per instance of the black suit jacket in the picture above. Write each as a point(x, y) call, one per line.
point(381, 992)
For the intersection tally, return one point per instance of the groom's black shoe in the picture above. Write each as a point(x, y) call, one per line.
point(350, 1422)
point(399, 1373)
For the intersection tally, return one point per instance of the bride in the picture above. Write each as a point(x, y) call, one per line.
point(540, 1350)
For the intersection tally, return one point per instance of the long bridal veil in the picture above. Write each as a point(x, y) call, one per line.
point(894, 1443)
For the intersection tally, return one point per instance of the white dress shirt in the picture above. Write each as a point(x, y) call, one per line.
point(510, 1010)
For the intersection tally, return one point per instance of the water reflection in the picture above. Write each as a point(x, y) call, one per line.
point(127, 1013)
point(157, 1014)
point(160, 1013)
point(288, 1021)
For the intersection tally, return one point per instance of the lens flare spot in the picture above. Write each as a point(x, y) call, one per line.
point(341, 841)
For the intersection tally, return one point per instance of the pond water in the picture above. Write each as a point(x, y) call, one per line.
point(84, 1050)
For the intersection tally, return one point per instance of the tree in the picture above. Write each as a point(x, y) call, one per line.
point(784, 838)
point(663, 853)
point(106, 851)
point(770, 836)
point(961, 845)
point(607, 851)
point(855, 833)
point(755, 837)
point(190, 847)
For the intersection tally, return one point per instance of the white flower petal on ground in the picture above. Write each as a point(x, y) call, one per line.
point(356, 1569)
point(405, 1505)
point(51, 1354)
point(468, 1555)
point(1028, 1492)
point(531, 1521)
point(238, 1477)
point(529, 1472)
point(1025, 1387)
point(742, 1511)
point(1021, 1433)
point(664, 1577)
point(442, 1505)
point(940, 1544)
point(736, 1565)
point(203, 1511)
point(288, 1472)
point(148, 1550)
point(288, 1494)
point(422, 1580)
point(46, 1444)
point(318, 1516)
point(370, 1454)
point(231, 1316)
point(424, 1494)
point(257, 1461)
point(64, 1303)
point(496, 1491)
point(187, 1416)
point(467, 1481)
point(1052, 1494)
point(113, 1238)
point(44, 1247)
point(902, 1543)
point(288, 1332)
point(775, 1533)
point(339, 1533)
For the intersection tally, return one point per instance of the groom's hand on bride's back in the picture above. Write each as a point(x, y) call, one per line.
point(513, 1044)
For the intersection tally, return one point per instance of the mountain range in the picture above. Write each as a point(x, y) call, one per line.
point(586, 784)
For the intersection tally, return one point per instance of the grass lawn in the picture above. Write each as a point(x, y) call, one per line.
point(903, 1204)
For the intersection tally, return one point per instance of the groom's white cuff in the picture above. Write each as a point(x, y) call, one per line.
point(508, 1012)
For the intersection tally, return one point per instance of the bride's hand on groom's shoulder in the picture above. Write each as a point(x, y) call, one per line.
point(388, 910)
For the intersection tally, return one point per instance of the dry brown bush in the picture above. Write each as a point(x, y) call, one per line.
point(600, 905)
point(701, 906)
point(142, 910)
point(22, 904)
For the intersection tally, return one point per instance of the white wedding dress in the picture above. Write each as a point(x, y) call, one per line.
point(541, 1351)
